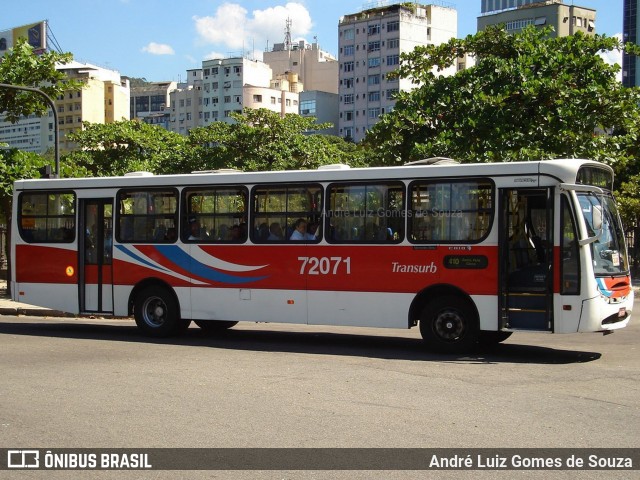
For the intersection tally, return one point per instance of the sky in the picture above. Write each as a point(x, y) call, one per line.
point(160, 39)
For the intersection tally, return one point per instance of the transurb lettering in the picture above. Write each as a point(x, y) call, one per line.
point(398, 267)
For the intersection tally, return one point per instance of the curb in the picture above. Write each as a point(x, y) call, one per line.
point(33, 312)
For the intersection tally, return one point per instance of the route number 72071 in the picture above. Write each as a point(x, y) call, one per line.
point(325, 265)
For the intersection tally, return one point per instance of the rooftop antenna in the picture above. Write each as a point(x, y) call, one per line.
point(287, 35)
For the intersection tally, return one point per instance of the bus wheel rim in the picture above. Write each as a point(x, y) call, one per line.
point(449, 325)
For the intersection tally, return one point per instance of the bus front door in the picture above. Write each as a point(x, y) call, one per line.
point(95, 251)
point(526, 259)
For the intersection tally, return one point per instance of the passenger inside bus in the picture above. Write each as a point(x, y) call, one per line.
point(299, 230)
point(275, 232)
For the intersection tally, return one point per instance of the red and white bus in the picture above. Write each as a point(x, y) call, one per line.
point(468, 252)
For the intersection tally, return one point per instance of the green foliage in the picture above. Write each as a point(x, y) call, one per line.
point(20, 66)
point(259, 140)
point(126, 146)
point(528, 97)
point(263, 140)
point(15, 165)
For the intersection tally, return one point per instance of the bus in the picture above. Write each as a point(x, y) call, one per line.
point(468, 253)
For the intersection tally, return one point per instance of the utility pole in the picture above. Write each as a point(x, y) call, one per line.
point(56, 173)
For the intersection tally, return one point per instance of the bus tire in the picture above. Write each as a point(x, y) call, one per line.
point(449, 324)
point(157, 312)
point(487, 337)
point(214, 326)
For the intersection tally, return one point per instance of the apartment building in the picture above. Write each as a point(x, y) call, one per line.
point(104, 98)
point(30, 134)
point(150, 103)
point(565, 19)
point(186, 103)
point(323, 106)
point(370, 43)
point(230, 85)
point(317, 69)
point(497, 5)
point(630, 28)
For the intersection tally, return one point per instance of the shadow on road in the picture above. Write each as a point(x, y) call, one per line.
point(316, 343)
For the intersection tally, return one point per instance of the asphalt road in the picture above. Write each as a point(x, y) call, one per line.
point(99, 383)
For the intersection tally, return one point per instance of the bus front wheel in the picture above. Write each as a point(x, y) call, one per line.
point(449, 324)
point(157, 312)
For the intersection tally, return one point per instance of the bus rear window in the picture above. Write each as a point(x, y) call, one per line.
point(450, 211)
point(47, 217)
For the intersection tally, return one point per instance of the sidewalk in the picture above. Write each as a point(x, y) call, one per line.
point(9, 307)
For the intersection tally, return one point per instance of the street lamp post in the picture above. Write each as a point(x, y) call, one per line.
point(56, 174)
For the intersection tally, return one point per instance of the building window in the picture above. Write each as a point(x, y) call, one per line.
point(273, 100)
point(348, 34)
point(308, 107)
point(374, 113)
point(374, 46)
point(237, 98)
point(393, 26)
point(348, 99)
point(393, 59)
point(373, 79)
point(227, 99)
point(374, 29)
point(349, 50)
point(393, 43)
point(237, 69)
point(214, 71)
point(374, 96)
point(257, 99)
point(374, 62)
point(348, 66)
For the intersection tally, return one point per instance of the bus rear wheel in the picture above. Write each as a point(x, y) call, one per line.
point(214, 326)
point(449, 324)
point(157, 312)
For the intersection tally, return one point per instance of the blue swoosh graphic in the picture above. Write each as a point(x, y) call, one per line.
point(602, 287)
point(128, 252)
point(178, 256)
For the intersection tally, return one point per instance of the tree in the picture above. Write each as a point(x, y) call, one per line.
point(529, 96)
point(125, 146)
point(263, 140)
point(20, 66)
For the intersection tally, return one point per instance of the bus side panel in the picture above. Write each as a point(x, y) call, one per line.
point(359, 309)
point(254, 305)
point(47, 276)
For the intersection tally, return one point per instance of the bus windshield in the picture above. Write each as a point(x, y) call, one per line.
point(608, 251)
